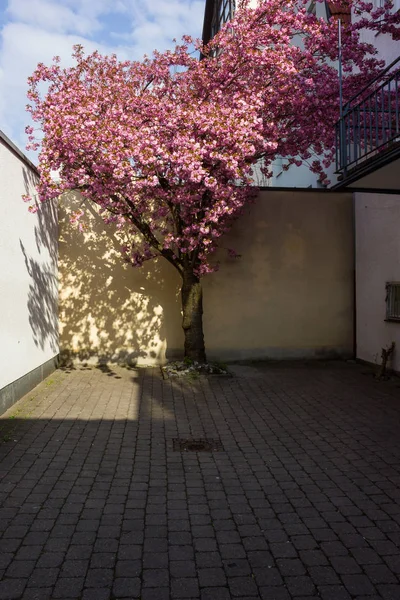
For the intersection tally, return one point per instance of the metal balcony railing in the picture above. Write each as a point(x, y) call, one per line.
point(370, 121)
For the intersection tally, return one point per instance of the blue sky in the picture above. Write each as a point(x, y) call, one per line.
point(33, 31)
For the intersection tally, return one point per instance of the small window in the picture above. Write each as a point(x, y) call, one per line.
point(393, 301)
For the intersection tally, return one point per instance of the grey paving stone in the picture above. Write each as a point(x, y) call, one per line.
point(105, 560)
point(358, 584)
point(51, 559)
point(79, 552)
point(128, 568)
point(74, 568)
point(11, 589)
point(68, 587)
point(231, 551)
point(5, 559)
point(182, 568)
point(43, 577)
point(99, 578)
point(186, 587)
point(10, 545)
point(323, 575)
point(129, 552)
point(300, 585)
point(20, 569)
point(179, 538)
point(181, 552)
point(215, 594)
point(274, 593)
point(242, 586)
point(269, 576)
point(389, 592)
point(155, 578)
point(334, 592)
point(38, 594)
point(96, 594)
point(313, 557)
point(126, 587)
point(290, 566)
point(209, 577)
point(208, 559)
point(155, 594)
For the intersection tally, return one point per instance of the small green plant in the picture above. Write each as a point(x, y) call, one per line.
point(16, 413)
point(193, 375)
point(220, 365)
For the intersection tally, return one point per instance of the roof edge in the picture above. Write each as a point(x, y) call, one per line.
point(18, 152)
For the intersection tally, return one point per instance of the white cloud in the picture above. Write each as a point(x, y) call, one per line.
point(52, 17)
point(156, 23)
point(36, 30)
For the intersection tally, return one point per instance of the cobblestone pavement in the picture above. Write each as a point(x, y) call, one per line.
point(302, 502)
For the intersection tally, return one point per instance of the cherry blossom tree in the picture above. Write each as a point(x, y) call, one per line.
point(166, 147)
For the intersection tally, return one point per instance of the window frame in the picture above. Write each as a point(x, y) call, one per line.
point(392, 301)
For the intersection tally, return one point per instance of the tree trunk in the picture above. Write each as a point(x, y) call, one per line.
point(192, 322)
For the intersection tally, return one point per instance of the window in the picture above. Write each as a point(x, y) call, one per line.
point(336, 11)
point(223, 12)
point(381, 4)
point(393, 301)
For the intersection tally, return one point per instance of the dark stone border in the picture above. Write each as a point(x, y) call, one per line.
point(197, 445)
point(11, 393)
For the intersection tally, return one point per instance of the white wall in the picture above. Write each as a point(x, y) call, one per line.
point(377, 218)
point(28, 272)
point(298, 177)
point(388, 49)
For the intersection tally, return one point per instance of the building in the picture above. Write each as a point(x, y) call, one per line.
point(218, 12)
point(367, 166)
point(28, 280)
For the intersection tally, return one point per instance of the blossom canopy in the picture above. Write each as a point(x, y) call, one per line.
point(166, 147)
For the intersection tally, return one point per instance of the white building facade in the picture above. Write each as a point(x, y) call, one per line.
point(28, 280)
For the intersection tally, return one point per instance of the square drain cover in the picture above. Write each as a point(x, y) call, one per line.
point(197, 445)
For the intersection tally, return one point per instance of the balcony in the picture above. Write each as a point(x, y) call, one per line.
point(368, 136)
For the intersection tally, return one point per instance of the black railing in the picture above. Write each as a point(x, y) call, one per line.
point(370, 121)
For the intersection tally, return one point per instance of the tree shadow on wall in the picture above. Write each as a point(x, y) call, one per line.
point(109, 310)
point(43, 286)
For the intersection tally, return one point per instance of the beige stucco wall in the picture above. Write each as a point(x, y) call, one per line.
point(377, 218)
point(289, 295)
point(28, 272)
point(109, 309)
